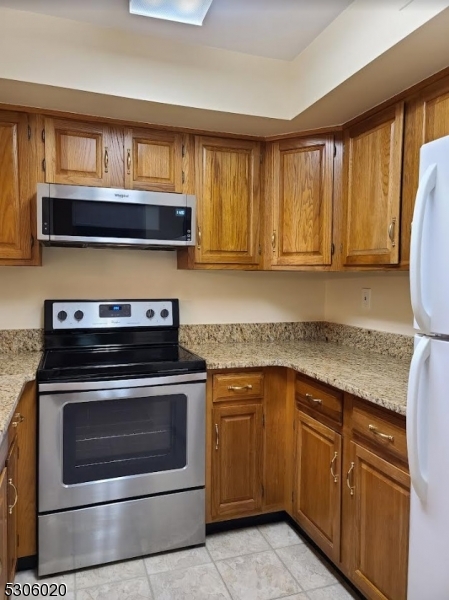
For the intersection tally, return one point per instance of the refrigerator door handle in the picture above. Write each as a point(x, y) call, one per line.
point(420, 356)
point(426, 186)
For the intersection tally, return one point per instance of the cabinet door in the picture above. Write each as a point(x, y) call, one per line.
point(372, 189)
point(236, 462)
point(15, 195)
point(11, 472)
point(153, 160)
point(378, 495)
point(317, 483)
point(227, 191)
point(302, 195)
point(3, 532)
point(83, 153)
point(426, 119)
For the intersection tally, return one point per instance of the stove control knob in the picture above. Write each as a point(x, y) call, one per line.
point(62, 315)
point(164, 313)
point(79, 315)
point(150, 313)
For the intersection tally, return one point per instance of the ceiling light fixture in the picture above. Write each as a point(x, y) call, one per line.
point(191, 12)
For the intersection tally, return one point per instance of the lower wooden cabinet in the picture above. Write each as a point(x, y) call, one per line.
point(377, 510)
point(3, 531)
point(317, 482)
point(237, 459)
point(12, 475)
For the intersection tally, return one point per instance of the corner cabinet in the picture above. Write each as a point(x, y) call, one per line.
point(372, 189)
point(227, 187)
point(18, 179)
point(299, 185)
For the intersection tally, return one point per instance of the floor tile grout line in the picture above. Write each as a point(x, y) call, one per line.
point(286, 566)
point(218, 571)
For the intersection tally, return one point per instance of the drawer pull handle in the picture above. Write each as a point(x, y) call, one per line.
point(384, 436)
point(128, 161)
point(273, 241)
point(19, 418)
point(391, 232)
point(314, 400)
point(199, 238)
point(217, 439)
point(239, 388)
point(334, 475)
point(106, 160)
point(348, 479)
point(10, 508)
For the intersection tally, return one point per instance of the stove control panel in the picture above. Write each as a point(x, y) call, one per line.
point(110, 314)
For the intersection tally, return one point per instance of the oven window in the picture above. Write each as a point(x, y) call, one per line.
point(116, 438)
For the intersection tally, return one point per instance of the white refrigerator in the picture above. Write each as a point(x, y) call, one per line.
point(428, 388)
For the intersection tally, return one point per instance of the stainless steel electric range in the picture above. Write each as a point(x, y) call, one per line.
point(121, 434)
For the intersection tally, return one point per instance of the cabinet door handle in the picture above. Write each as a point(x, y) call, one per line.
point(128, 161)
point(391, 232)
point(314, 400)
point(273, 241)
point(11, 507)
point(199, 238)
point(217, 438)
point(106, 159)
point(334, 475)
point(384, 436)
point(348, 479)
point(238, 388)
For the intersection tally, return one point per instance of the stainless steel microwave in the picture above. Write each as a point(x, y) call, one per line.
point(91, 216)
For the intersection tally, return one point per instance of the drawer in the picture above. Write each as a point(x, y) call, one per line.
point(237, 386)
point(380, 431)
point(320, 398)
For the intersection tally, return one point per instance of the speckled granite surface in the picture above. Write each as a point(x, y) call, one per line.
point(374, 377)
point(15, 371)
point(15, 341)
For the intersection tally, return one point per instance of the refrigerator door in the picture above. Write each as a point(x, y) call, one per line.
point(428, 447)
point(429, 251)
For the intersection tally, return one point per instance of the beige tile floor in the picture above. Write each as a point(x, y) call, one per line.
point(258, 563)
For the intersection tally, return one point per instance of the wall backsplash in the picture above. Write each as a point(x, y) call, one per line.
point(205, 296)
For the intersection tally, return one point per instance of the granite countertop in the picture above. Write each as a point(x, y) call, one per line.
point(15, 371)
point(375, 377)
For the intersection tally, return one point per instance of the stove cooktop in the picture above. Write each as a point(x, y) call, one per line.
point(119, 362)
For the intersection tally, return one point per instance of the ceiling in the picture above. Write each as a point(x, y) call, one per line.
point(278, 29)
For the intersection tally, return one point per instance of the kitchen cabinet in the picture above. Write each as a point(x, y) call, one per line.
point(227, 189)
point(317, 482)
point(12, 476)
point(80, 153)
point(377, 518)
point(17, 190)
point(372, 189)
point(236, 459)
point(3, 531)
point(300, 188)
point(426, 119)
point(153, 160)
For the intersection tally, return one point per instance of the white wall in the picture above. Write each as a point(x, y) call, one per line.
point(390, 301)
point(206, 296)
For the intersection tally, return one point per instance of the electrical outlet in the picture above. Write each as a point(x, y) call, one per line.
point(366, 298)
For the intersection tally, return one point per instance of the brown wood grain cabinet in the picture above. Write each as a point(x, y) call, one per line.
point(153, 160)
point(17, 190)
point(237, 459)
point(300, 187)
point(372, 189)
point(3, 531)
point(78, 153)
point(317, 482)
point(377, 510)
point(12, 475)
point(227, 189)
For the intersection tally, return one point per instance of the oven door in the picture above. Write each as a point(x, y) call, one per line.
point(114, 444)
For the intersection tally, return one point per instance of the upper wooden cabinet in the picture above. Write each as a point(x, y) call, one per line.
point(227, 192)
point(372, 189)
point(17, 174)
point(153, 160)
point(299, 185)
point(83, 153)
